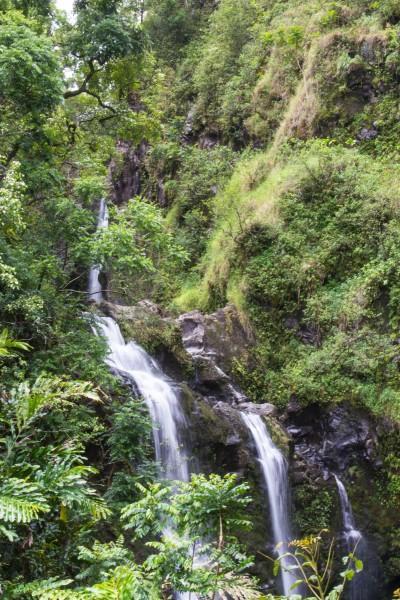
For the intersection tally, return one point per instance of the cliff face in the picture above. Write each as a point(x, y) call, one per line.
point(198, 351)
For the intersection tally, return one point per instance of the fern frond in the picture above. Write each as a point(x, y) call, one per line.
point(126, 582)
point(45, 393)
point(21, 501)
point(8, 344)
point(36, 589)
point(96, 507)
point(9, 534)
point(239, 587)
point(62, 595)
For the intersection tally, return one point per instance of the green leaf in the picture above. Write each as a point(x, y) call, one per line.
point(276, 568)
point(359, 565)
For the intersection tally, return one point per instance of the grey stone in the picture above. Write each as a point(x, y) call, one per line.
point(264, 410)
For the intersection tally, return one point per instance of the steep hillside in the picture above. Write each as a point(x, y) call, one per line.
point(219, 182)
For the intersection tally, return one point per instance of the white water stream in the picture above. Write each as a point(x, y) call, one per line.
point(130, 361)
point(351, 534)
point(95, 291)
point(275, 476)
point(359, 588)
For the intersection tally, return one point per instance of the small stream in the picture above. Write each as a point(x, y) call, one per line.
point(95, 291)
point(364, 584)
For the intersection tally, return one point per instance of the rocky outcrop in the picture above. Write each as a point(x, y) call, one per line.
point(331, 439)
point(213, 341)
point(221, 335)
point(197, 351)
point(126, 171)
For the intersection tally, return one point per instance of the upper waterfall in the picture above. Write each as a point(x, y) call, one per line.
point(95, 290)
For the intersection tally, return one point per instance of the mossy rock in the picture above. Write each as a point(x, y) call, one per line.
point(157, 334)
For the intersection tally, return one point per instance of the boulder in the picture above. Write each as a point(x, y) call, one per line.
point(142, 311)
point(221, 335)
point(264, 410)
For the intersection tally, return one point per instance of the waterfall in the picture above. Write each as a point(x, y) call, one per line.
point(351, 534)
point(275, 476)
point(95, 291)
point(363, 586)
point(130, 360)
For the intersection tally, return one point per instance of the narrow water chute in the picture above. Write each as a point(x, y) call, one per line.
point(95, 289)
point(364, 585)
point(275, 477)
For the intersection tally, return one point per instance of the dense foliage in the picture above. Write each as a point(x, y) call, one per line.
point(269, 179)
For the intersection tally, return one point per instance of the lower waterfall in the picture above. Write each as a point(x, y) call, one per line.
point(130, 360)
point(363, 585)
point(275, 476)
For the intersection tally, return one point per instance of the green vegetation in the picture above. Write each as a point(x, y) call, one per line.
point(316, 577)
point(312, 251)
point(269, 179)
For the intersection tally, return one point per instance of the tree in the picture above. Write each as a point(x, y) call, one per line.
point(211, 506)
point(30, 73)
point(34, 7)
point(101, 36)
point(138, 243)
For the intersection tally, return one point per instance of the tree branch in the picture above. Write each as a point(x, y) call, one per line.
point(99, 100)
point(82, 89)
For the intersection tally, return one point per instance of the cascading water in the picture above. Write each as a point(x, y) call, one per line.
point(130, 361)
point(351, 534)
point(95, 291)
point(363, 585)
point(274, 472)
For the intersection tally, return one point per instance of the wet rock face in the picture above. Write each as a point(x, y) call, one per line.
point(263, 410)
point(324, 440)
point(331, 440)
point(213, 341)
point(220, 334)
point(126, 179)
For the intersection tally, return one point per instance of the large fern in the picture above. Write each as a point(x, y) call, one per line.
point(36, 589)
point(102, 558)
point(127, 582)
point(8, 345)
point(21, 501)
point(65, 479)
point(30, 400)
point(239, 587)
